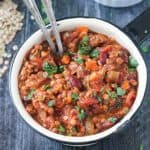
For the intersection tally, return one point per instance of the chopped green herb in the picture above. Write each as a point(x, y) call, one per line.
point(132, 62)
point(77, 108)
point(51, 103)
point(61, 129)
point(60, 69)
point(112, 94)
point(81, 115)
point(112, 119)
point(131, 70)
point(47, 87)
point(71, 53)
point(69, 134)
point(66, 53)
point(74, 96)
point(51, 69)
point(126, 111)
point(30, 95)
point(94, 53)
point(84, 48)
point(79, 60)
point(85, 39)
point(145, 49)
point(74, 129)
point(120, 91)
point(141, 147)
point(97, 97)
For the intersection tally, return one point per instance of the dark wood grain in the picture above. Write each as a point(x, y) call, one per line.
point(15, 134)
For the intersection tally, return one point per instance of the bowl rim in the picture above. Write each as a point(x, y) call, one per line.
point(83, 139)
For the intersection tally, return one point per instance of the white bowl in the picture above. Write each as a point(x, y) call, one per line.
point(69, 24)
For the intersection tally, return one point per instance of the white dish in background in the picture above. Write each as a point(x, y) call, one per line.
point(118, 3)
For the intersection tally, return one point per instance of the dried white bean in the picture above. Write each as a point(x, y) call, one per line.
point(1, 60)
point(10, 23)
point(6, 62)
point(15, 47)
point(9, 55)
point(32, 18)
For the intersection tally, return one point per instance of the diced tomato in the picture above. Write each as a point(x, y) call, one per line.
point(104, 53)
point(65, 59)
point(91, 65)
point(107, 48)
point(94, 76)
point(82, 30)
point(37, 62)
point(35, 104)
point(96, 86)
point(59, 104)
point(38, 47)
point(87, 102)
point(125, 85)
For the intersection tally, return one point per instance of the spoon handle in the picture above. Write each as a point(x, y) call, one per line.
point(35, 12)
point(50, 14)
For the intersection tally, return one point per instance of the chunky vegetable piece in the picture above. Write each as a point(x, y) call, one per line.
point(90, 88)
point(65, 59)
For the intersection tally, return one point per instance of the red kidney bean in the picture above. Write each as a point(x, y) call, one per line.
point(103, 57)
point(75, 82)
point(130, 98)
point(107, 124)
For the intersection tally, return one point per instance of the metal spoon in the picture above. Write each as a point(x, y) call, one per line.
point(50, 14)
point(31, 4)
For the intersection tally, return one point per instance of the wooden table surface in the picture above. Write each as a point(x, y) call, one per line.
point(15, 134)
